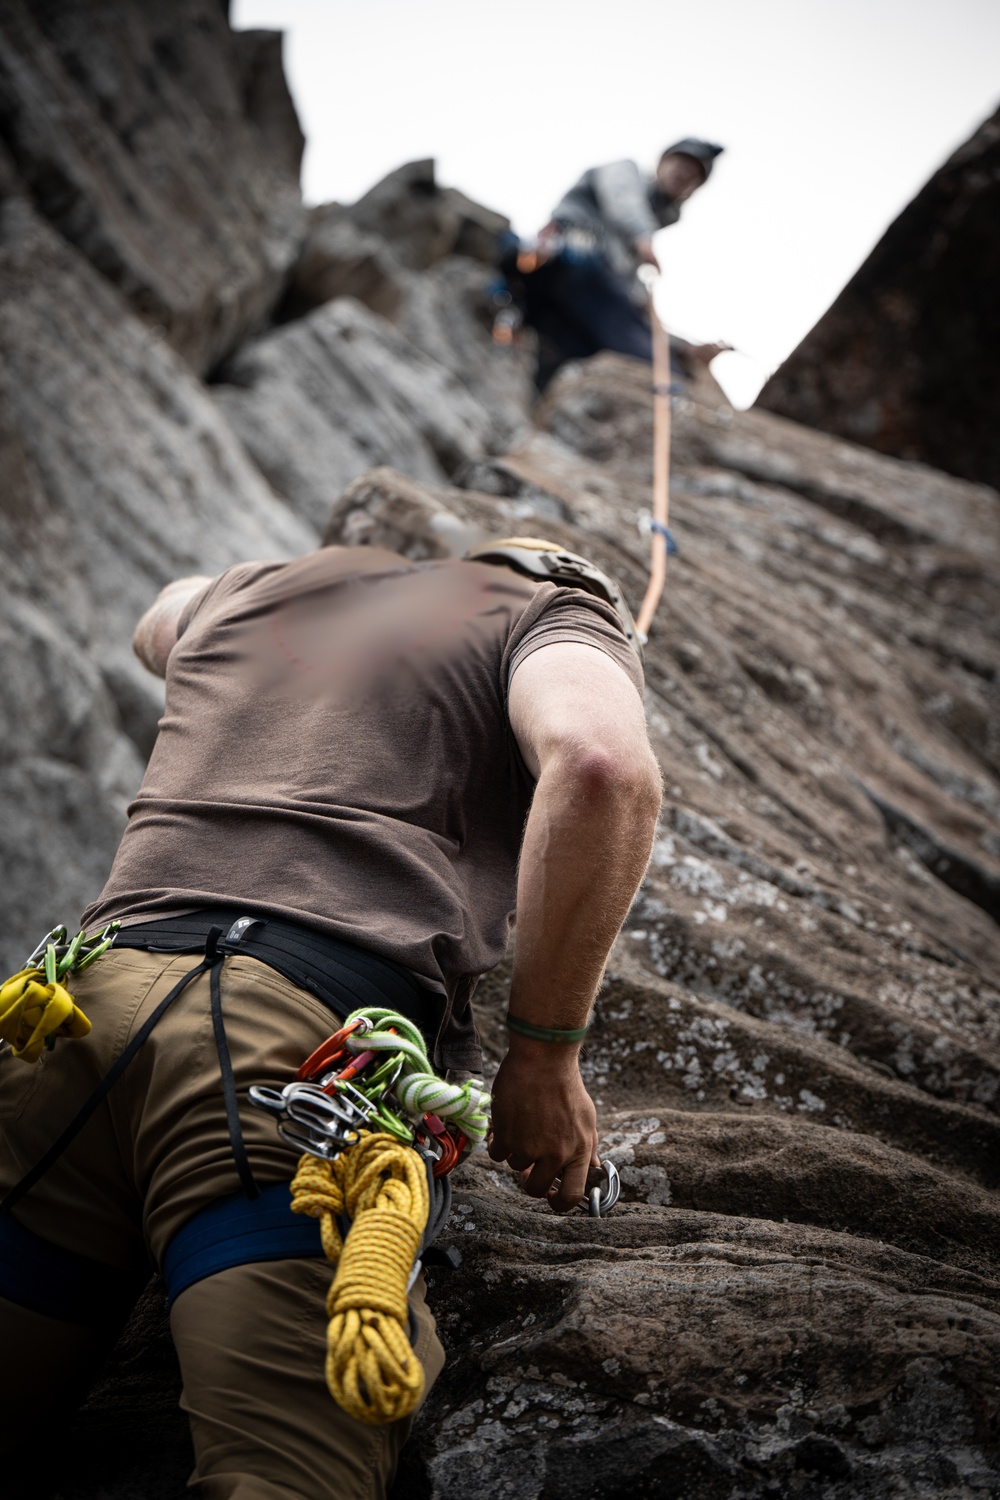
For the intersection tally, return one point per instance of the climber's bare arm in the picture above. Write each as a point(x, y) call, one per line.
point(156, 633)
point(581, 729)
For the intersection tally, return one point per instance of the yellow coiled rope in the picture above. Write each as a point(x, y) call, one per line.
point(32, 1011)
point(371, 1370)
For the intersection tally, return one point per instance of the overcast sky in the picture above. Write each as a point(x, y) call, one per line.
point(833, 114)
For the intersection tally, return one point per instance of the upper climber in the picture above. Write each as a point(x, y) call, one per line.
point(582, 295)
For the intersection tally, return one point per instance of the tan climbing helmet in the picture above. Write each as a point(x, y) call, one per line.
point(547, 562)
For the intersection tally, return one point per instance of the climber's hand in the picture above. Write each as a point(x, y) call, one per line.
point(544, 1122)
point(703, 354)
point(645, 254)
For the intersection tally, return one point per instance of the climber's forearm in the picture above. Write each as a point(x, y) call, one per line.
point(579, 724)
point(585, 849)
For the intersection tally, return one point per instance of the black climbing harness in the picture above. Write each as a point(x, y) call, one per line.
point(326, 967)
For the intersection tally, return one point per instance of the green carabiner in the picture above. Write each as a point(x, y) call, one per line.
point(102, 942)
point(393, 1125)
point(68, 960)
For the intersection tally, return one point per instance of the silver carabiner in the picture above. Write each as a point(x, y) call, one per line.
point(267, 1098)
point(304, 1138)
point(317, 1111)
point(312, 1121)
point(601, 1199)
point(57, 937)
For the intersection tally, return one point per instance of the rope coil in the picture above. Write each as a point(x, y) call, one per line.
point(419, 1090)
point(371, 1370)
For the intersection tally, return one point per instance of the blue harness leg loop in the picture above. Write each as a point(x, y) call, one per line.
point(59, 1283)
point(235, 1232)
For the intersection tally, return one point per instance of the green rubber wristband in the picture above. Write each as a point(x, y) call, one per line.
point(544, 1033)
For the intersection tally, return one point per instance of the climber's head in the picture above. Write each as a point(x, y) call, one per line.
point(684, 166)
point(547, 562)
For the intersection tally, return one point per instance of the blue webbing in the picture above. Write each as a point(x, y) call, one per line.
point(235, 1231)
point(41, 1276)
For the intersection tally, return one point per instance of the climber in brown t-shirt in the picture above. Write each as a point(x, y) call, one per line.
point(396, 757)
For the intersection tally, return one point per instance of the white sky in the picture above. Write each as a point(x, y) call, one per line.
point(833, 112)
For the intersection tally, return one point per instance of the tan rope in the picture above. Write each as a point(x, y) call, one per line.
point(661, 471)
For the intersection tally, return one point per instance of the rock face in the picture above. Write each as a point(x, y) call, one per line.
point(118, 474)
point(679, 1352)
point(165, 149)
point(405, 222)
point(318, 401)
point(906, 359)
point(796, 1054)
point(796, 1051)
point(423, 257)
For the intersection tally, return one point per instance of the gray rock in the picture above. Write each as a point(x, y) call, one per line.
point(320, 400)
point(267, 103)
point(385, 509)
point(406, 222)
point(666, 1352)
point(448, 315)
point(796, 1054)
point(340, 260)
point(119, 474)
point(166, 150)
point(905, 360)
point(423, 222)
point(423, 257)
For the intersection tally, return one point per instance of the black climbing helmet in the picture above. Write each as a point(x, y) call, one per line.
point(704, 152)
point(547, 562)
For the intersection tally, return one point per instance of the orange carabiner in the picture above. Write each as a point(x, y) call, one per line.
point(327, 1052)
point(452, 1145)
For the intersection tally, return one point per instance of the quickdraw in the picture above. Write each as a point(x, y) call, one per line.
point(380, 1131)
point(35, 1005)
point(374, 1074)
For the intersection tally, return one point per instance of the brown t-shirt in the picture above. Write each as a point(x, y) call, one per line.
point(335, 750)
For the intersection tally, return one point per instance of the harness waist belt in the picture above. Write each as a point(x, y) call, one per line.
point(327, 967)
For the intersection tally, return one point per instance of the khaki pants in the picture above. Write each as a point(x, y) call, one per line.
point(251, 1339)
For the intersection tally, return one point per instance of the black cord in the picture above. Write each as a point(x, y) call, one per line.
point(439, 1190)
point(101, 1092)
point(240, 1156)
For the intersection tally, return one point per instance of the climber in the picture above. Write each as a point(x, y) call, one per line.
point(364, 767)
point(579, 290)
